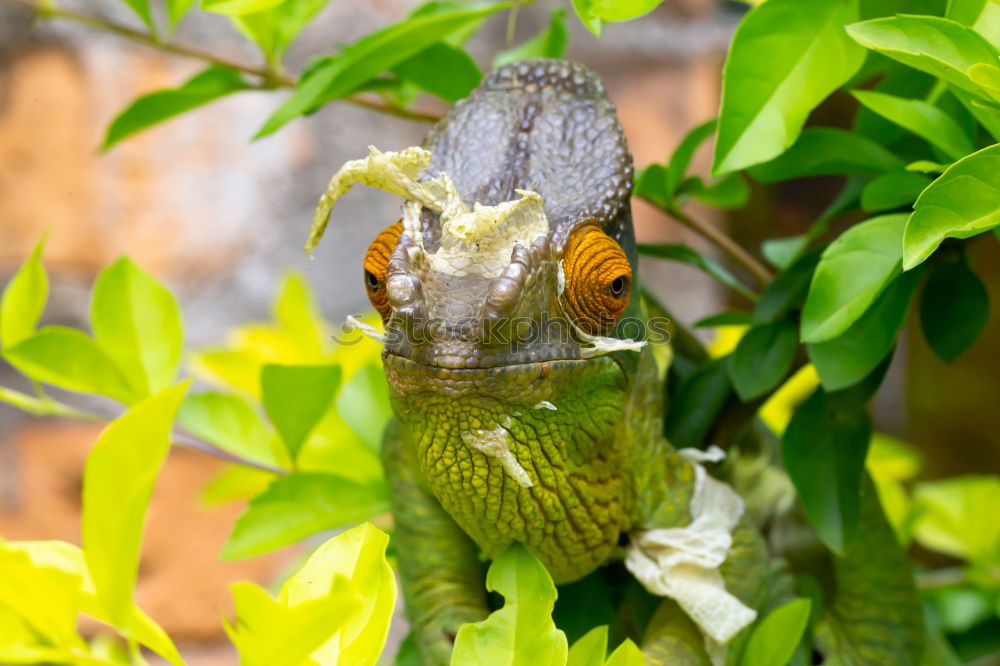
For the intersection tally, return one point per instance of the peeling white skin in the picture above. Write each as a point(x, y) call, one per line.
point(683, 562)
point(494, 444)
point(473, 242)
point(545, 404)
point(365, 329)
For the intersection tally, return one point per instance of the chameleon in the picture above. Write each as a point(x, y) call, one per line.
point(527, 377)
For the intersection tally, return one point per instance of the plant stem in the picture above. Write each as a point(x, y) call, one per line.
point(50, 407)
point(269, 78)
point(723, 242)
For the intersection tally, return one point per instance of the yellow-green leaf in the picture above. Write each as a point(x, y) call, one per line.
point(23, 299)
point(45, 598)
point(69, 559)
point(589, 649)
point(957, 516)
point(71, 360)
point(626, 654)
point(925, 120)
point(358, 555)
point(138, 324)
point(229, 422)
point(522, 632)
point(117, 483)
point(268, 632)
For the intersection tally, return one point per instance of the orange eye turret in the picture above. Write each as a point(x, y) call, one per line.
point(376, 265)
point(598, 280)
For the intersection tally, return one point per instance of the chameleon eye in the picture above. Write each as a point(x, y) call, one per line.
point(376, 265)
point(598, 280)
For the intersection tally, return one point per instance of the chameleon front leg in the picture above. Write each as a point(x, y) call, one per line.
point(442, 577)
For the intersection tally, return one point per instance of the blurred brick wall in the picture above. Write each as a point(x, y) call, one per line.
point(219, 218)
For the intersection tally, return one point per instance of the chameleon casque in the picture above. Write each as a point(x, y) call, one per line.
point(527, 411)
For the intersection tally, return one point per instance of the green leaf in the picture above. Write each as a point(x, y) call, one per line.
point(155, 107)
point(358, 555)
point(229, 422)
point(138, 324)
point(893, 190)
point(651, 185)
point(925, 120)
point(298, 506)
point(787, 291)
point(824, 452)
point(981, 15)
point(522, 632)
point(443, 70)
point(931, 44)
point(337, 76)
point(141, 7)
point(274, 29)
point(785, 58)
point(23, 299)
point(681, 158)
point(730, 318)
point(697, 403)
point(69, 359)
point(117, 483)
point(238, 7)
point(730, 191)
point(956, 516)
point(363, 404)
point(589, 20)
point(176, 9)
point(775, 638)
point(762, 358)
point(962, 202)
point(848, 358)
point(853, 271)
point(987, 77)
point(589, 650)
point(548, 43)
point(954, 308)
point(268, 632)
point(825, 151)
point(685, 255)
point(626, 654)
point(295, 398)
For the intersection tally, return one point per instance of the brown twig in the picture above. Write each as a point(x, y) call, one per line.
point(723, 242)
point(49, 407)
point(268, 77)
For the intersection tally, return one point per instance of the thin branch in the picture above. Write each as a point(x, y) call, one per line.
point(268, 78)
point(50, 407)
point(721, 241)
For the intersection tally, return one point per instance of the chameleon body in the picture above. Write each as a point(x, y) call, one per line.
point(520, 436)
point(526, 411)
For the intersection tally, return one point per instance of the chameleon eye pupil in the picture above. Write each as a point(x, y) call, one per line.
point(618, 287)
point(371, 280)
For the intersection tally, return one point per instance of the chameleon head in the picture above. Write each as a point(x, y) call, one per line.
point(505, 291)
